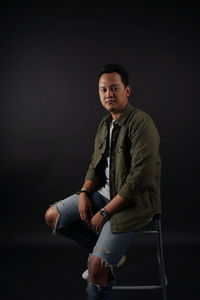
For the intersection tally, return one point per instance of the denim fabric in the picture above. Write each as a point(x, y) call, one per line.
point(96, 292)
point(71, 226)
point(108, 246)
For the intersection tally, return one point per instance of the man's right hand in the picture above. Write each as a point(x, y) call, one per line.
point(85, 207)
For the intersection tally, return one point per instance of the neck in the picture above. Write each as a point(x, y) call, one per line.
point(115, 116)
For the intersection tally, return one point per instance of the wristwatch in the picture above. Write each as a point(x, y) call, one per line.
point(103, 212)
point(83, 191)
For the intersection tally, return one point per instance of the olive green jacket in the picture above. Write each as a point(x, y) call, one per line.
point(134, 168)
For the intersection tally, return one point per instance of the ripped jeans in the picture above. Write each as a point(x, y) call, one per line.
point(108, 246)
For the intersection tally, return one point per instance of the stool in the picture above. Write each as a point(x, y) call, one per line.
point(157, 232)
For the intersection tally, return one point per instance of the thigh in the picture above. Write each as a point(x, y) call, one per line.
point(68, 209)
point(98, 200)
point(112, 246)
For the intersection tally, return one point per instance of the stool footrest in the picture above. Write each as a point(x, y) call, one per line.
point(135, 287)
point(149, 232)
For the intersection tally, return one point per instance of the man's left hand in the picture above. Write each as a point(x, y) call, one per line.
point(97, 222)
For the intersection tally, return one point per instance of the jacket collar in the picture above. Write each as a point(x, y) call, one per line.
point(128, 108)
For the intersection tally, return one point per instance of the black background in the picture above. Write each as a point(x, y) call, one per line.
point(51, 53)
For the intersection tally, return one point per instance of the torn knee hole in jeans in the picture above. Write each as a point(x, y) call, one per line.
point(56, 223)
point(104, 262)
point(58, 216)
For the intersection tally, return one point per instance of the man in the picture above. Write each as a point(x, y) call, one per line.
point(121, 191)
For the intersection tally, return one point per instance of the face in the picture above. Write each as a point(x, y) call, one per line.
point(113, 94)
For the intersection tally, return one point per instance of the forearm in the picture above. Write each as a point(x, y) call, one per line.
point(115, 204)
point(84, 202)
point(88, 185)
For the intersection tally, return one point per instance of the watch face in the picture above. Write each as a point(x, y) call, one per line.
point(103, 213)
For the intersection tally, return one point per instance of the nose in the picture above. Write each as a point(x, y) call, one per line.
point(109, 93)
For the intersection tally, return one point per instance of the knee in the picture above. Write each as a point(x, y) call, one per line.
point(99, 272)
point(51, 216)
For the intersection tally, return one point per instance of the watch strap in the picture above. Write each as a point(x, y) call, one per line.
point(83, 191)
point(104, 213)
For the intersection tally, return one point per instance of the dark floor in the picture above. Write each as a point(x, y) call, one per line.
point(51, 269)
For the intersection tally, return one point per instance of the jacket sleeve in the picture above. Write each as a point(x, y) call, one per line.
point(90, 174)
point(145, 158)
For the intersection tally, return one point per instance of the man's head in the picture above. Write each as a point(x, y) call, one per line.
point(114, 88)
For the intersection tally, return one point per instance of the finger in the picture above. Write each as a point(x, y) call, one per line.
point(91, 211)
point(83, 215)
point(86, 218)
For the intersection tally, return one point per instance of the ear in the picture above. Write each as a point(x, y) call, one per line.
point(128, 90)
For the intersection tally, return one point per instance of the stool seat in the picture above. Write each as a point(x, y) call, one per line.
point(156, 233)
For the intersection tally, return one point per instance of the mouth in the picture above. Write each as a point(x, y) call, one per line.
point(110, 102)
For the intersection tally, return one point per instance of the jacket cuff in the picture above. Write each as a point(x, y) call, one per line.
point(90, 175)
point(125, 192)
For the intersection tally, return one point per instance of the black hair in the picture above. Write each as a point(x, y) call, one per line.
point(111, 68)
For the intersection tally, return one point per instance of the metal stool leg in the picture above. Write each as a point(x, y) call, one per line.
point(160, 256)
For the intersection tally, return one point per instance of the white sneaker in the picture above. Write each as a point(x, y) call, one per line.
point(85, 274)
point(120, 263)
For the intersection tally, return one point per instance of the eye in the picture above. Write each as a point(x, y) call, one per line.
point(114, 88)
point(103, 90)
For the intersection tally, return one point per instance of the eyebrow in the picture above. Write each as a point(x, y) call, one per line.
point(101, 87)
